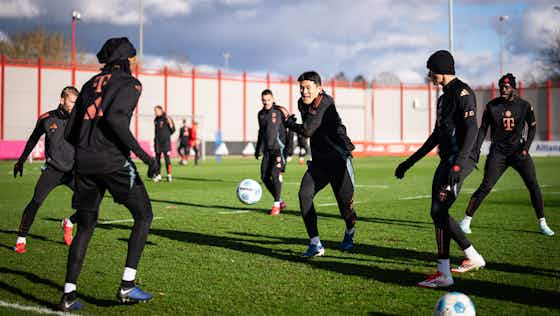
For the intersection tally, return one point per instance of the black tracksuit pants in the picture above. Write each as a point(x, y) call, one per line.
point(272, 166)
point(50, 178)
point(340, 175)
point(496, 164)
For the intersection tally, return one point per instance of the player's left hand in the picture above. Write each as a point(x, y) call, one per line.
point(455, 175)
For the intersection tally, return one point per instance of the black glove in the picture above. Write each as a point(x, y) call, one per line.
point(290, 121)
point(402, 168)
point(152, 167)
point(18, 168)
point(454, 175)
point(257, 154)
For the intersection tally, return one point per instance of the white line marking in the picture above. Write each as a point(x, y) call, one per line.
point(123, 220)
point(34, 309)
point(551, 192)
point(234, 212)
point(416, 197)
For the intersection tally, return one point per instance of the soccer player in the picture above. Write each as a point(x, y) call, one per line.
point(193, 141)
point(273, 141)
point(164, 127)
point(303, 148)
point(57, 170)
point(454, 134)
point(506, 116)
point(183, 141)
point(332, 150)
point(99, 131)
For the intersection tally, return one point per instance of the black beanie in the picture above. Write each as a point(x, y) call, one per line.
point(508, 78)
point(441, 62)
point(116, 49)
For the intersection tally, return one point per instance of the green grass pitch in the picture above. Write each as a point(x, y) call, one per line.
point(209, 254)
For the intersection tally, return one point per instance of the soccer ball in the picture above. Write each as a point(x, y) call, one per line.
point(454, 304)
point(249, 191)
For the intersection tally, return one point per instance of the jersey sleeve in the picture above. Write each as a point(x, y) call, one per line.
point(33, 139)
point(312, 121)
point(531, 126)
point(118, 118)
point(481, 135)
point(260, 134)
point(467, 105)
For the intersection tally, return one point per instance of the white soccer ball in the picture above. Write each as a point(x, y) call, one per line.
point(454, 304)
point(249, 191)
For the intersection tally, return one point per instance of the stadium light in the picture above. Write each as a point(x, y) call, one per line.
point(227, 56)
point(76, 16)
point(502, 19)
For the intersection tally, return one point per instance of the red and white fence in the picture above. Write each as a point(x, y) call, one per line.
point(377, 116)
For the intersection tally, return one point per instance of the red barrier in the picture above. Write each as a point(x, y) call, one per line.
point(165, 75)
point(193, 110)
point(244, 106)
point(219, 100)
point(548, 112)
point(39, 78)
point(2, 96)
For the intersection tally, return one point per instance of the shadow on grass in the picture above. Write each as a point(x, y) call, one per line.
point(405, 255)
point(512, 293)
point(39, 237)
point(223, 207)
point(35, 279)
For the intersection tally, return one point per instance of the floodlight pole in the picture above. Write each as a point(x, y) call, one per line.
point(141, 31)
point(451, 46)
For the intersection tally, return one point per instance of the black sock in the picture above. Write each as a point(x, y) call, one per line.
point(127, 284)
point(71, 296)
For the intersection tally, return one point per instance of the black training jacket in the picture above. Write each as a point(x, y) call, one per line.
point(59, 153)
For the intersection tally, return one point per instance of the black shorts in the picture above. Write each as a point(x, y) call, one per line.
point(91, 188)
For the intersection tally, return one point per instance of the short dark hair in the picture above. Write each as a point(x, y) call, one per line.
point(266, 92)
point(158, 107)
point(311, 76)
point(68, 90)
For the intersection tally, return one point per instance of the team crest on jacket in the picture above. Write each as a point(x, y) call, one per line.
point(53, 127)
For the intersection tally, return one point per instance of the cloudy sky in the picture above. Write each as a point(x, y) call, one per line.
point(365, 37)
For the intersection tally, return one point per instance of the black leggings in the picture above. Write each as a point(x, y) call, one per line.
point(271, 168)
point(167, 161)
point(496, 164)
point(442, 199)
point(136, 200)
point(50, 178)
point(340, 175)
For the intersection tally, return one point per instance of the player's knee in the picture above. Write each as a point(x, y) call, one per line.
point(305, 194)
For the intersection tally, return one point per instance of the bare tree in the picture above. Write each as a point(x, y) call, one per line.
point(30, 45)
point(387, 78)
point(550, 57)
point(359, 78)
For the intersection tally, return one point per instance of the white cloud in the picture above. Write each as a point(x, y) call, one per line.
point(4, 37)
point(126, 12)
point(19, 9)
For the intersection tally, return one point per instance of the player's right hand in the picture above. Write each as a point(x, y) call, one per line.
point(290, 121)
point(152, 168)
point(401, 169)
point(257, 155)
point(18, 168)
